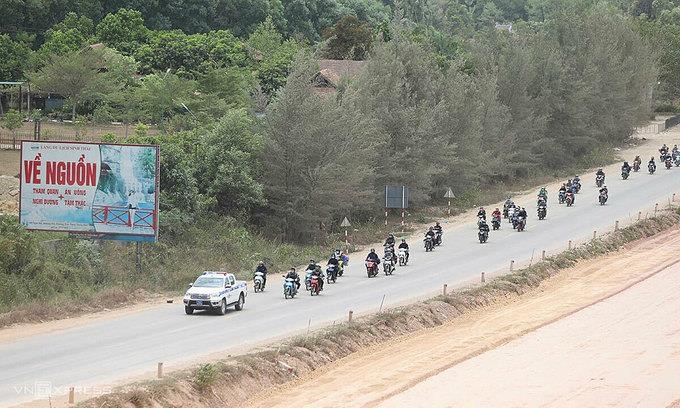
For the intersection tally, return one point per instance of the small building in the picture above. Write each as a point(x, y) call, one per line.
point(331, 73)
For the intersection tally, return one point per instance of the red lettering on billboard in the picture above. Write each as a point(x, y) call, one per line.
point(71, 173)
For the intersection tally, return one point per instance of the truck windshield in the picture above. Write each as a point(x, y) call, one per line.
point(207, 282)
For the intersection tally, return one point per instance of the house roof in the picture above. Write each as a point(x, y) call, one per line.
point(327, 79)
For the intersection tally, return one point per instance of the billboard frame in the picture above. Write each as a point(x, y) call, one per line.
point(97, 234)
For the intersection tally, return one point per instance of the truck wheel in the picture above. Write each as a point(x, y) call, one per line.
point(188, 310)
point(223, 307)
point(239, 304)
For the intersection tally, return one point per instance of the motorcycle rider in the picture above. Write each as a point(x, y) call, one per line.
point(319, 274)
point(390, 240)
point(438, 231)
point(651, 163)
point(404, 245)
point(577, 180)
point(335, 262)
point(481, 213)
point(604, 191)
point(542, 201)
point(543, 193)
point(522, 213)
point(484, 227)
point(372, 256)
point(625, 167)
point(294, 275)
point(637, 160)
point(599, 173)
point(496, 214)
point(430, 233)
point(508, 203)
point(261, 268)
point(663, 150)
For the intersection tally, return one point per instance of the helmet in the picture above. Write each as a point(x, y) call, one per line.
point(403, 240)
point(261, 263)
point(312, 261)
point(391, 235)
point(372, 250)
point(431, 228)
point(436, 223)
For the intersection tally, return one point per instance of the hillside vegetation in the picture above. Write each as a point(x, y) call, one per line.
point(256, 164)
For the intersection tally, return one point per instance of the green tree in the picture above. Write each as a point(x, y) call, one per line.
point(349, 39)
point(318, 158)
point(162, 96)
point(124, 31)
point(229, 164)
point(272, 55)
point(12, 121)
point(14, 57)
point(74, 75)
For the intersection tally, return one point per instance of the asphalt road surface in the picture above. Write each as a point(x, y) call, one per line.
point(112, 350)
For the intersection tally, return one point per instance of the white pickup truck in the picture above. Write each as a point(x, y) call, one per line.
point(215, 291)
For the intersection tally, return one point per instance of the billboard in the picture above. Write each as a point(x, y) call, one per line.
point(108, 190)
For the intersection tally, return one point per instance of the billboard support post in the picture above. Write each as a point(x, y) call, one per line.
point(138, 257)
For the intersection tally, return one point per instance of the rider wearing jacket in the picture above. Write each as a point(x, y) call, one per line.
point(604, 191)
point(390, 240)
point(651, 163)
point(625, 167)
point(262, 268)
point(522, 213)
point(496, 214)
point(404, 245)
point(483, 226)
point(430, 233)
point(481, 213)
point(372, 256)
point(294, 275)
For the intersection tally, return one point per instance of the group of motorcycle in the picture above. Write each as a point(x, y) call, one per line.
point(668, 158)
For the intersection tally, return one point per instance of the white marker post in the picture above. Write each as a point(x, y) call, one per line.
point(449, 194)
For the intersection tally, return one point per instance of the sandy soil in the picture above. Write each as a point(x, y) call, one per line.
point(598, 334)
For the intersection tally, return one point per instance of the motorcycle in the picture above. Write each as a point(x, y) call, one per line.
point(562, 196)
point(401, 255)
point(576, 185)
point(651, 167)
point(314, 285)
point(308, 279)
point(258, 282)
point(496, 223)
point(542, 212)
point(521, 223)
point(437, 237)
point(483, 236)
point(345, 262)
point(514, 220)
point(429, 245)
point(569, 199)
point(289, 288)
point(668, 163)
point(677, 160)
point(636, 167)
point(331, 273)
point(603, 198)
point(371, 268)
point(624, 174)
point(388, 264)
point(599, 180)
point(511, 213)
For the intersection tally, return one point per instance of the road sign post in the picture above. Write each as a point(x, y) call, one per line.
point(449, 194)
point(345, 223)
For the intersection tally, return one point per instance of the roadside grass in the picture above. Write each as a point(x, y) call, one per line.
point(233, 380)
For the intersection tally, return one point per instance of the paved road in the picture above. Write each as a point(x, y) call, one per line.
point(111, 350)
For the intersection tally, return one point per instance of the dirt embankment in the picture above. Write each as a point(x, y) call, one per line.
point(392, 336)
